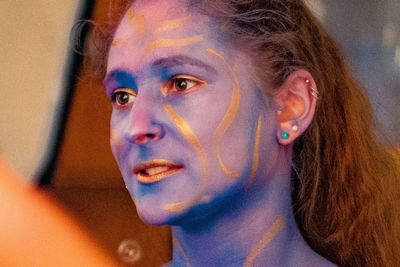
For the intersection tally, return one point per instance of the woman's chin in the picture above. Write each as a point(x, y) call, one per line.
point(157, 216)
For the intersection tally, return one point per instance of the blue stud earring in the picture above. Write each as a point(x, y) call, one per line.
point(285, 135)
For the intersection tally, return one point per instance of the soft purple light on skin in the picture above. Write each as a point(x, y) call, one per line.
point(186, 89)
point(203, 108)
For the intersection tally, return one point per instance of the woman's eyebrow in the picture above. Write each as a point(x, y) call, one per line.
point(120, 76)
point(182, 60)
point(125, 78)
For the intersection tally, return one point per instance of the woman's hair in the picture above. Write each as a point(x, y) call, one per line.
point(345, 179)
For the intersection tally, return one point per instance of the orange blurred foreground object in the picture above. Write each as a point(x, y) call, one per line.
point(35, 232)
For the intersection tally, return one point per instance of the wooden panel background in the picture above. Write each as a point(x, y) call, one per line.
point(87, 180)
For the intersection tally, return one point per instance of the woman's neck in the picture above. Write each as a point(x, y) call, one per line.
point(256, 226)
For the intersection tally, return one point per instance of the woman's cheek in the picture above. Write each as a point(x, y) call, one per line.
point(116, 136)
point(115, 145)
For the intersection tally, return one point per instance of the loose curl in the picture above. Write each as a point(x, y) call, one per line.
point(345, 180)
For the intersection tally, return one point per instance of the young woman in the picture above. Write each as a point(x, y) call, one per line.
point(239, 124)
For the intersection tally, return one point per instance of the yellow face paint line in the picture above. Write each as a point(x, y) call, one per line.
point(275, 229)
point(138, 20)
point(209, 50)
point(226, 122)
point(172, 42)
point(228, 118)
point(222, 165)
point(114, 139)
point(121, 42)
point(171, 24)
point(184, 128)
point(256, 152)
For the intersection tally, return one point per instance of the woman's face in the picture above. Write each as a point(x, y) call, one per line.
point(189, 128)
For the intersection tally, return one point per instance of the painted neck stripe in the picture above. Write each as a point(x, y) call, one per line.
point(275, 229)
point(184, 128)
point(229, 116)
point(179, 246)
point(171, 24)
point(172, 42)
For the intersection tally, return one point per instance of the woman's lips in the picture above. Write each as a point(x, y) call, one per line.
point(155, 170)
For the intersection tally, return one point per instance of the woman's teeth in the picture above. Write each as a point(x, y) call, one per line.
point(156, 170)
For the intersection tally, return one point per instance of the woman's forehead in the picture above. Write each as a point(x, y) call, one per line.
point(152, 18)
point(160, 9)
point(146, 28)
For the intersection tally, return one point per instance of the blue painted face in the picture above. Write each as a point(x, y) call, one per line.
point(189, 127)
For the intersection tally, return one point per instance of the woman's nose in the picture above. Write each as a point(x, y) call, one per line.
point(154, 133)
point(144, 130)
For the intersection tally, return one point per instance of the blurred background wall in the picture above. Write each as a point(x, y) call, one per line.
point(36, 62)
point(369, 34)
point(34, 43)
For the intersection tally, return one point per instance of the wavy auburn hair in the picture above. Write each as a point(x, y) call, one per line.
point(346, 195)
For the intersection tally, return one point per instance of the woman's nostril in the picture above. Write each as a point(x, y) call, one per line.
point(143, 135)
point(151, 136)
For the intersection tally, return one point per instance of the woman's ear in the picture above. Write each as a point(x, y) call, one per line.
point(296, 100)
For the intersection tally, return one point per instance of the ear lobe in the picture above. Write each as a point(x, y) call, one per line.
point(296, 100)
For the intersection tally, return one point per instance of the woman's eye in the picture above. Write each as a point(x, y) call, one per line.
point(182, 83)
point(122, 98)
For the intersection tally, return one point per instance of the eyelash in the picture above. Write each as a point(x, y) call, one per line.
point(122, 92)
point(170, 86)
